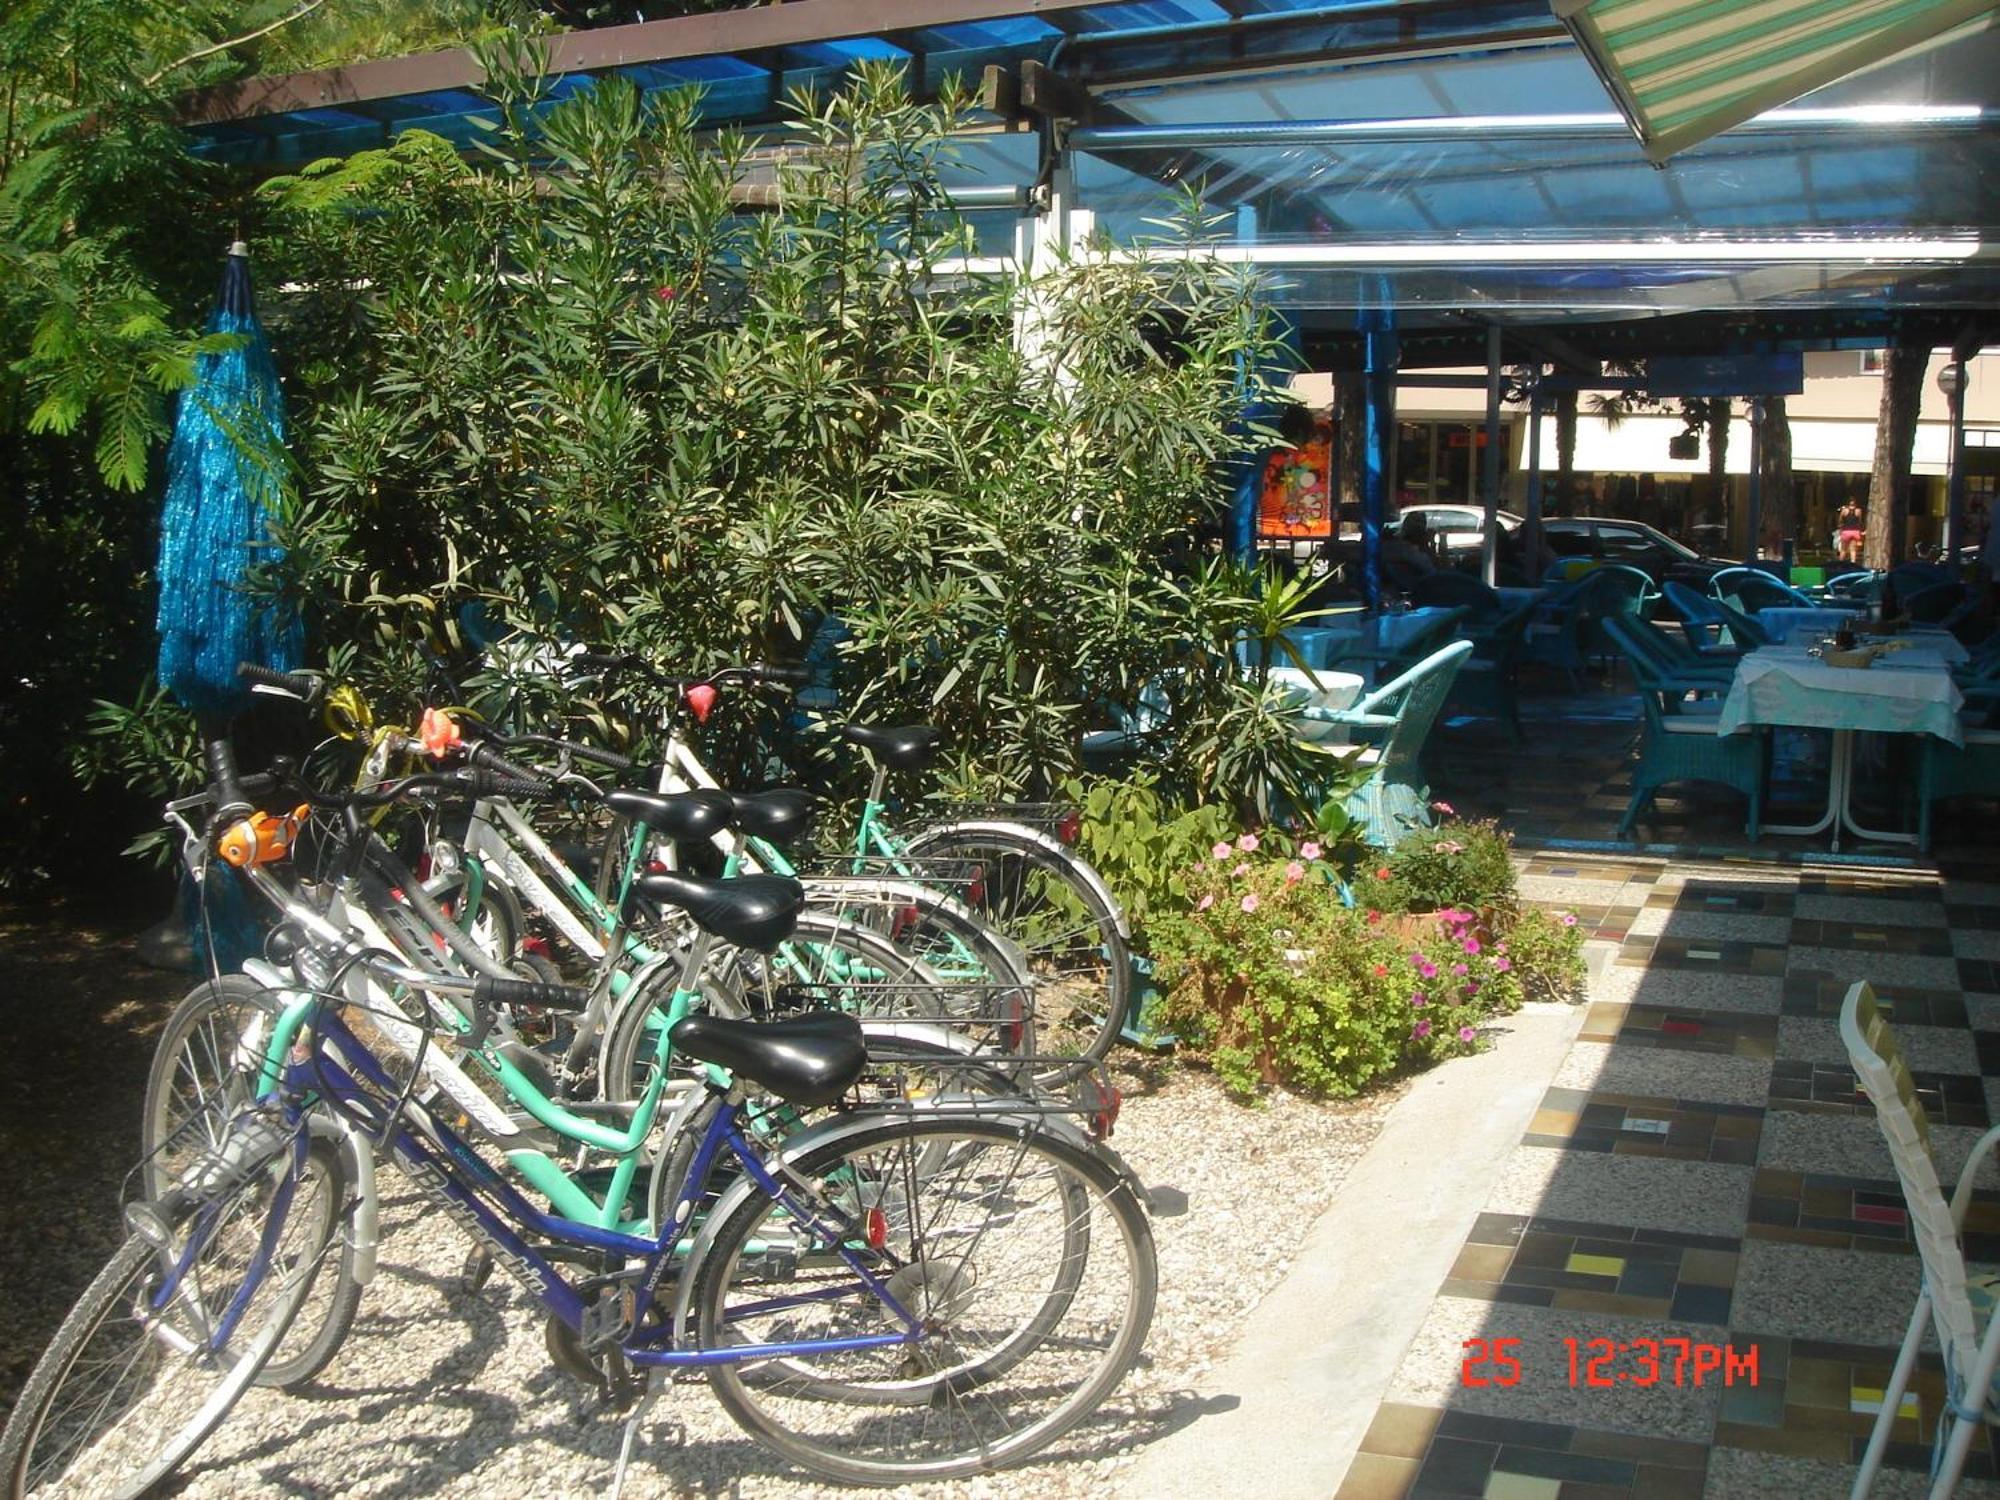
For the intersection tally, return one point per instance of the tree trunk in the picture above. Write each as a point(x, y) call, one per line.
point(1565, 453)
point(1895, 437)
point(1717, 416)
point(1780, 495)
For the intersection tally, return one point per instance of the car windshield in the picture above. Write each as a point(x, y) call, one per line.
point(1685, 553)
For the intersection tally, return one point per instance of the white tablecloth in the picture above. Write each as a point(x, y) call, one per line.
point(1783, 685)
point(1335, 690)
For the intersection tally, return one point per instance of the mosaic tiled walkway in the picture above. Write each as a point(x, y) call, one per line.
point(1702, 1170)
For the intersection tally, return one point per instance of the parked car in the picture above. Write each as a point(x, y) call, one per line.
point(1462, 526)
point(1634, 544)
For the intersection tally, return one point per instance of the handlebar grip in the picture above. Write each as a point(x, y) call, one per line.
point(219, 757)
point(486, 758)
point(301, 685)
point(790, 676)
point(520, 789)
point(487, 991)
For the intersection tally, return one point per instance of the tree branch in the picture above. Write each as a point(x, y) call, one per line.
point(249, 36)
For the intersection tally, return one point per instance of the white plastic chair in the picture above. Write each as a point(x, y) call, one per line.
point(1947, 1301)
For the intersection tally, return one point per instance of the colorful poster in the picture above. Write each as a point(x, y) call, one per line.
point(1298, 483)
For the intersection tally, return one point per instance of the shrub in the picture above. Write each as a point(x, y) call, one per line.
point(1547, 949)
point(1456, 864)
point(1273, 980)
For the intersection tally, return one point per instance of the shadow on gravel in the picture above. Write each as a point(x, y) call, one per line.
point(80, 1016)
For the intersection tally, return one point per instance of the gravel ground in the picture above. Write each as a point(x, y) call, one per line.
point(443, 1393)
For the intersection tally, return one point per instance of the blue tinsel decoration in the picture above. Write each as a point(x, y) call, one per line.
point(216, 521)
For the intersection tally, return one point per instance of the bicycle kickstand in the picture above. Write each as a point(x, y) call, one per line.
point(655, 1384)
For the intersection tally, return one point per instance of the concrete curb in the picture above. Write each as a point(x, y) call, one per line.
point(1292, 1403)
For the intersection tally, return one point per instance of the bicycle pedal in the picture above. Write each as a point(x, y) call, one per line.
point(476, 1271)
point(608, 1320)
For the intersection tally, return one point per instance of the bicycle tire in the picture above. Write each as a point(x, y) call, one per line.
point(213, 1042)
point(1079, 960)
point(625, 1054)
point(1094, 1310)
point(151, 1363)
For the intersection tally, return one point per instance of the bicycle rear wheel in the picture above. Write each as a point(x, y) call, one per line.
point(1026, 1260)
point(139, 1373)
point(1034, 893)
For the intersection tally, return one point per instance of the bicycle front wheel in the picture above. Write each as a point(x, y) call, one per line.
point(203, 1076)
point(1025, 1260)
point(140, 1373)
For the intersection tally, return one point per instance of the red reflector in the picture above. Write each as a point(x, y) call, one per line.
point(539, 946)
point(875, 1227)
point(1069, 827)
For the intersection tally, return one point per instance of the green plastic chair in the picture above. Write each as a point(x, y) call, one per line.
point(1680, 746)
point(1396, 799)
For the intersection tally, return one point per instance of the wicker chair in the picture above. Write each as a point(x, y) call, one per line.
point(1489, 682)
point(1678, 745)
point(1752, 589)
point(1396, 797)
point(1705, 624)
point(1612, 591)
point(1945, 770)
point(1957, 1305)
point(1555, 632)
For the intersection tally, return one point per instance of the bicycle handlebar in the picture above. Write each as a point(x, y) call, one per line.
point(750, 672)
point(307, 687)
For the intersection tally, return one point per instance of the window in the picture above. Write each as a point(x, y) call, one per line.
point(1624, 541)
point(1567, 541)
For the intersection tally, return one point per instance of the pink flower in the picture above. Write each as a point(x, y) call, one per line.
point(1420, 1000)
point(1428, 969)
point(1471, 945)
point(1248, 843)
point(1472, 987)
point(1460, 969)
point(1449, 846)
point(1374, 918)
point(1452, 917)
point(1309, 850)
point(1240, 871)
point(1381, 971)
point(1466, 1033)
point(1568, 918)
point(1499, 947)
point(1205, 903)
point(1383, 873)
point(1503, 964)
point(1250, 902)
point(1221, 850)
point(1421, 1030)
point(1445, 808)
point(1294, 873)
point(665, 293)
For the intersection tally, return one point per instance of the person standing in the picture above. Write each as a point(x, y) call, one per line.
point(1853, 531)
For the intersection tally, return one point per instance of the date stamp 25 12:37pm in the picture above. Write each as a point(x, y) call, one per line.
point(1604, 1363)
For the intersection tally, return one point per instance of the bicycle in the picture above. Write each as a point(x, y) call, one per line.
point(877, 1277)
point(1016, 878)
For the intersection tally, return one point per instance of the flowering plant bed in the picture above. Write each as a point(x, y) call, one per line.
point(1277, 973)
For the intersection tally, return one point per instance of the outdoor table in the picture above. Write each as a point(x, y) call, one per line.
point(1335, 690)
point(1803, 627)
point(1783, 685)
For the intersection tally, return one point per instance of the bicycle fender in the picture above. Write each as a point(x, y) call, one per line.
point(839, 1128)
point(1035, 836)
point(364, 1227)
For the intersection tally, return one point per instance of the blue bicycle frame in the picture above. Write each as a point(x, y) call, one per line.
point(454, 1175)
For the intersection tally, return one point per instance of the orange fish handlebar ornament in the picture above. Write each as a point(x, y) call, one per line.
point(438, 733)
point(261, 838)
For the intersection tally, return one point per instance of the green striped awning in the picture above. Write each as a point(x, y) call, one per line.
point(1682, 70)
